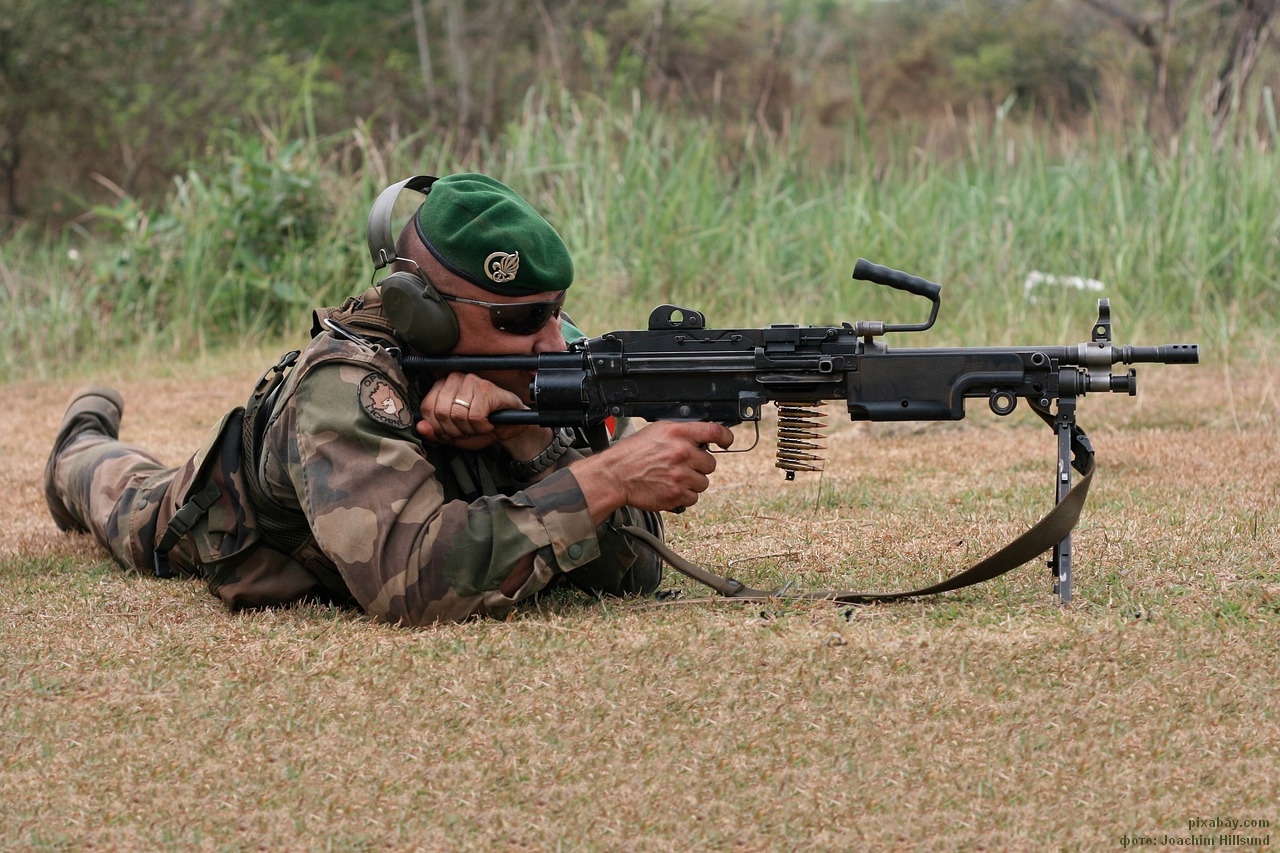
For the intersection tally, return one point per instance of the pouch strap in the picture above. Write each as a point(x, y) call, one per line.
point(283, 527)
point(183, 520)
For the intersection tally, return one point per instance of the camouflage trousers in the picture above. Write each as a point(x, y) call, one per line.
point(119, 492)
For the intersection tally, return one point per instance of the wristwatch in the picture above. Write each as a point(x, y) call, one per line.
point(558, 447)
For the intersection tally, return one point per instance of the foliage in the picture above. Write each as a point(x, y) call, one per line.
point(952, 53)
point(126, 92)
point(50, 53)
point(231, 253)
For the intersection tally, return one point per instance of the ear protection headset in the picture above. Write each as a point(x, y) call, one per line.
point(419, 316)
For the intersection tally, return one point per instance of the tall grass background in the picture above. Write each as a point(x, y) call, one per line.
point(747, 227)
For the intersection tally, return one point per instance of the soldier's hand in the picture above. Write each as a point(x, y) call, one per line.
point(663, 466)
point(456, 412)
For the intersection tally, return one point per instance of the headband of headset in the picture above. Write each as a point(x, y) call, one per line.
point(382, 242)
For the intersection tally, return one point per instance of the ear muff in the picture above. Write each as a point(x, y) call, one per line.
point(419, 316)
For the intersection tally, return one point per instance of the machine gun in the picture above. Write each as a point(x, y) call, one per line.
point(678, 369)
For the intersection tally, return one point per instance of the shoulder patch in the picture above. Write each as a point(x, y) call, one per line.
point(381, 401)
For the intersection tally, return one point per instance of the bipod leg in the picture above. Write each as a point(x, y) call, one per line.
point(1060, 559)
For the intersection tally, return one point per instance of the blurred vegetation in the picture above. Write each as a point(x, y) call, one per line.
point(668, 209)
point(119, 96)
point(194, 174)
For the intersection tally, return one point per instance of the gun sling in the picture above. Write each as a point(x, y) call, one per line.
point(1044, 536)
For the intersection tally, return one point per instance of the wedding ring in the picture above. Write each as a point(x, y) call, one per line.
point(463, 403)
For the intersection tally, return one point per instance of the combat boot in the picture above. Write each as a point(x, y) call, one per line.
point(92, 409)
point(642, 576)
point(645, 575)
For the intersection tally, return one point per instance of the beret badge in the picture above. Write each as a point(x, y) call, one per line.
point(501, 267)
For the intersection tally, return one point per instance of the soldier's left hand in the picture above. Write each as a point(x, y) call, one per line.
point(456, 412)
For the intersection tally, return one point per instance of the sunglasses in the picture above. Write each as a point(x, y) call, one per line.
point(516, 318)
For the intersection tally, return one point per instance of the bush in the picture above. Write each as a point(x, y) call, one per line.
point(231, 248)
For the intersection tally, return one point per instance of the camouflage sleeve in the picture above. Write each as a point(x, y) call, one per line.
point(378, 508)
point(624, 566)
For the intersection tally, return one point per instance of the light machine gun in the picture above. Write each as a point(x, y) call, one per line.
point(678, 369)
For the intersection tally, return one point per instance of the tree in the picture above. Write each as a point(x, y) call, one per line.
point(1155, 32)
point(1175, 24)
point(47, 47)
point(111, 88)
point(1254, 27)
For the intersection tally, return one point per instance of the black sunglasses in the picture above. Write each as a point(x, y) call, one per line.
point(516, 318)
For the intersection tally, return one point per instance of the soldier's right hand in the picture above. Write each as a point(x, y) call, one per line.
point(664, 466)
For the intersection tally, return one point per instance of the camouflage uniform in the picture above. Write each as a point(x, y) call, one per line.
point(413, 533)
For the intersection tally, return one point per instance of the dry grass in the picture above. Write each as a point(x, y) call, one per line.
point(138, 714)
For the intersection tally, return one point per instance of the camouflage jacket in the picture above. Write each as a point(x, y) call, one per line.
point(417, 532)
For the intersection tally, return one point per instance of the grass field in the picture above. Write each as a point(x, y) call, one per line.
point(139, 714)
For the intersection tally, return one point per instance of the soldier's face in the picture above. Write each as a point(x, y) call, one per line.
point(479, 336)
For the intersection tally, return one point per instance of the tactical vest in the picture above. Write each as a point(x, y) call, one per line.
point(359, 317)
point(257, 554)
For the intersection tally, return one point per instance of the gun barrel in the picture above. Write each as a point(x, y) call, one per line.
point(514, 416)
point(1165, 354)
point(470, 363)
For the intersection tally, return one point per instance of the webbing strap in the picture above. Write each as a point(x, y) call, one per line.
point(186, 516)
point(1046, 533)
point(284, 528)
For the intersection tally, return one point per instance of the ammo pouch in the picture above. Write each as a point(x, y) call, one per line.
point(216, 524)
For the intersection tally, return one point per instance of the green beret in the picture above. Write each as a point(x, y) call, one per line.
point(485, 232)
